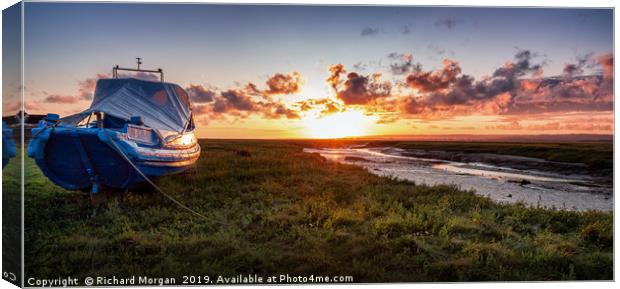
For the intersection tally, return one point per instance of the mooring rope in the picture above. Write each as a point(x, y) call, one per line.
point(151, 182)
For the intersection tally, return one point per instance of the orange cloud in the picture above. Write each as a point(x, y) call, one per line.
point(284, 83)
point(244, 101)
point(200, 94)
point(447, 93)
point(357, 89)
point(436, 80)
point(55, 98)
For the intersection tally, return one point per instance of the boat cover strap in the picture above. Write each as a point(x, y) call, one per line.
point(86, 161)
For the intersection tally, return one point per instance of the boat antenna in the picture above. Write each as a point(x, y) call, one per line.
point(116, 68)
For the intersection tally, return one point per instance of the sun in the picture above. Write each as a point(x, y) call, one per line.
point(338, 125)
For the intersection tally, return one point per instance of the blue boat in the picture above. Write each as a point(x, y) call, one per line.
point(8, 145)
point(133, 130)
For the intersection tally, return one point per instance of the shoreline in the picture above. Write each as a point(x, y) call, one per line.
point(503, 178)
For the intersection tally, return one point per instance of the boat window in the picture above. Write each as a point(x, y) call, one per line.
point(85, 121)
point(113, 122)
point(141, 134)
point(109, 121)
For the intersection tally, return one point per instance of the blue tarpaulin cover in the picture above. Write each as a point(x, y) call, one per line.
point(9, 149)
point(164, 107)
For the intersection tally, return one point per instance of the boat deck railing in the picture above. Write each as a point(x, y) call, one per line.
point(115, 70)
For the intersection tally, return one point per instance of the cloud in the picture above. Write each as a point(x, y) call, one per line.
point(326, 106)
point(513, 125)
point(606, 61)
point(369, 31)
point(572, 123)
point(231, 100)
point(86, 87)
point(279, 110)
point(413, 106)
point(436, 80)
point(572, 69)
point(359, 66)
point(448, 22)
point(521, 66)
point(56, 98)
point(200, 94)
point(201, 109)
point(331, 108)
point(334, 77)
point(278, 84)
point(579, 93)
point(284, 83)
point(357, 89)
point(583, 61)
point(388, 118)
point(250, 99)
point(238, 103)
point(406, 29)
point(404, 63)
point(516, 87)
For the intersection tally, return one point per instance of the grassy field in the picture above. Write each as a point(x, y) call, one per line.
point(11, 218)
point(272, 209)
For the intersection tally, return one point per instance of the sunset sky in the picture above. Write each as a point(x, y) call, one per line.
point(328, 71)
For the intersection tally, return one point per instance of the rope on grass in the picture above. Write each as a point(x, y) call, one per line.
point(151, 182)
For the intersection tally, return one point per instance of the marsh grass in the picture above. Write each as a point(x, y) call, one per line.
point(275, 210)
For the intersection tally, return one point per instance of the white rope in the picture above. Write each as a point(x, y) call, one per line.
point(151, 182)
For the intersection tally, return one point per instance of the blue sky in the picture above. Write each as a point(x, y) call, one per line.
point(11, 64)
point(226, 46)
point(221, 44)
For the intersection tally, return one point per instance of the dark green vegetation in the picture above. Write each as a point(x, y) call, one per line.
point(11, 218)
point(595, 155)
point(273, 209)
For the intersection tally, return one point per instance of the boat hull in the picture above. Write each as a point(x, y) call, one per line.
point(87, 158)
